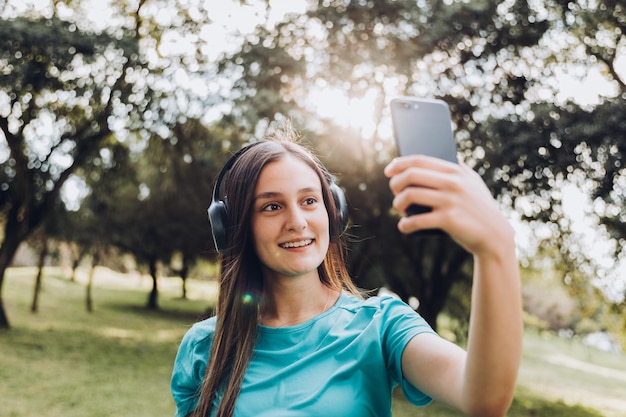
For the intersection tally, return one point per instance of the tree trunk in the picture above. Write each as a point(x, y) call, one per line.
point(7, 251)
point(74, 268)
point(184, 287)
point(77, 252)
point(446, 272)
point(152, 299)
point(92, 272)
point(184, 272)
point(34, 308)
point(4, 322)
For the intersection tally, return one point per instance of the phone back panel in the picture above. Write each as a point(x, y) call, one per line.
point(423, 126)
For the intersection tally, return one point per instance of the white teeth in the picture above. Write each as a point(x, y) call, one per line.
point(296, 244)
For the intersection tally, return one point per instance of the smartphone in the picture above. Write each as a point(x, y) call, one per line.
point(423, 126)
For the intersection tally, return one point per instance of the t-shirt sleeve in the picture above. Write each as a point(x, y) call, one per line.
point(189, 367)
point(400, 324)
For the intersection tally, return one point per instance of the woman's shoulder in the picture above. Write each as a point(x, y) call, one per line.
point(388, 312)
point(380, 303)
point(200, 332)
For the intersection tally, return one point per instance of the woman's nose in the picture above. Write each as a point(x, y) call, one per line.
point(296, 219)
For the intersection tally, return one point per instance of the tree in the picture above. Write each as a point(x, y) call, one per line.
point(495, 63)
point(115, 78)
point(111, 189)
point(166, 214)
point(358, 47)
point(61, 89)
point(551, 141)
point(195, 159)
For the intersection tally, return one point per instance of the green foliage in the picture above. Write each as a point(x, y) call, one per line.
point(557, 310)
point(62, 88)
point(392, 47)
point(49, 55)
point(494, 62)
point(554, 300)
point(170, 198)
point(618, 323)
point(52, 73)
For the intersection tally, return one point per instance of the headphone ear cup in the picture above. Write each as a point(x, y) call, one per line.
point(218, 209)
point(218, 217)
point(341, 204)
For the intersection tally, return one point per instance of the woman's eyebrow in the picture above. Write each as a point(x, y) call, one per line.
point(266, 195)
point(274, 194)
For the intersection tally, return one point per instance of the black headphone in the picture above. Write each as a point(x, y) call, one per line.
point(218, 209)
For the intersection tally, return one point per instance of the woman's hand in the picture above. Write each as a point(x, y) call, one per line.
point(461, 202)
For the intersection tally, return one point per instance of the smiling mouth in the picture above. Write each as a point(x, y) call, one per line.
point(297, 244)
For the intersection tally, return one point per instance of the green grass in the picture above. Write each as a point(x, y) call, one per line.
point(63, 361)
point(116, 361)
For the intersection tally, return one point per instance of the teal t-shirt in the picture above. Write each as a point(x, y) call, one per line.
point(343, 362)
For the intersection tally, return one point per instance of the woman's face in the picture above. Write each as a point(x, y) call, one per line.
point(289, 221)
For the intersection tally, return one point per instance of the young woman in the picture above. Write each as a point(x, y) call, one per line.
point(293, 336)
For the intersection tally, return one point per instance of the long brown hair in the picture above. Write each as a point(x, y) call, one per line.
point(240, 279)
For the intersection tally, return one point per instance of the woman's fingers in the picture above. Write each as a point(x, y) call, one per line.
point(420, 171)
point(401, 163)
point(417, 195)
point(461, 203)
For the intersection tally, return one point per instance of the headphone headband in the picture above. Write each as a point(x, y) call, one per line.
point(227, 166)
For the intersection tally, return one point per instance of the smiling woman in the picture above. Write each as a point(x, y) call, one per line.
point(293, 335)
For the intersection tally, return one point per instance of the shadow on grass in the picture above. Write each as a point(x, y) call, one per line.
point(525, 404)
point(528, 404)
point(167, 312)
point(135, 301)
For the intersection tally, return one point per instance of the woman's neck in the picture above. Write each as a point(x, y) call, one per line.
point(288, 305)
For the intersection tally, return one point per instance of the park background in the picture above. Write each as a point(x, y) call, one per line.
point(116, 116)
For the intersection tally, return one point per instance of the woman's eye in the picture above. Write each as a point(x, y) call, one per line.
point(310, 201)
point(271, 207)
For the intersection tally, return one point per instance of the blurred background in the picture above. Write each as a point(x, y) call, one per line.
point(116, 116)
